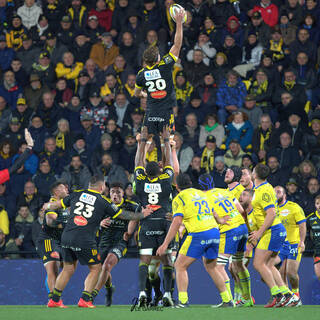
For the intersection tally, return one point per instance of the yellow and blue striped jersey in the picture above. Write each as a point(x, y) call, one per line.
point(236, 191)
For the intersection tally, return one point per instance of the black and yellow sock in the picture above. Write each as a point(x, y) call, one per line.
point(143, 276)
point(167, 278)
point(173, 282)
point(94, 293)
point(56, 295)
point(156, 283)
point(50, 294)
point(86, 296)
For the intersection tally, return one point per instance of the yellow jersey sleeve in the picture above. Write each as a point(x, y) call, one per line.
point(178, 205)
point(299, 215)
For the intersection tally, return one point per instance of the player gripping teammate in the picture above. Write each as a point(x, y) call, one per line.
point(233, 236)
point(156, 79)
point(87, 209)
point(268, 238)
point(113, 245)
point(193, 208)
point(313, 223)
point(294, 220)
point(49, 239)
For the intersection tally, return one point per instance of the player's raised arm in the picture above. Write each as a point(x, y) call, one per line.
point(175, 49)
point(167, 147)
point(139, 160)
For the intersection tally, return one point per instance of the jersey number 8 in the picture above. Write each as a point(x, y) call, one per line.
point(153, 198)
point(83, 210)
point(157, 85)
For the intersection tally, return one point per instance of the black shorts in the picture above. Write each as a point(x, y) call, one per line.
point(84, 255)
point(152, 234)
point(119, 249)
point(156, 122)
point(49, 250)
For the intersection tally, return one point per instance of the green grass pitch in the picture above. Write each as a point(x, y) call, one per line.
point(196, 312)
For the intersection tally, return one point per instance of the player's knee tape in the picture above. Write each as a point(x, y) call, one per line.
point(222, 260)
point(238, 257)
point(153, 269)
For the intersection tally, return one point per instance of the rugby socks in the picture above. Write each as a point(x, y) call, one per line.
point(86, 296)
point(245, 283)
point(284, 290)
point(183, 297)
point(167, 278)
point(172, 286)
point(237, 291)
point(143, 275)
point(94, 293)
point(50, 294)
point(296, 292)
point(56, 295)
point(156, 283)
point(275, 290)
point(225, 296)
point(227, 282)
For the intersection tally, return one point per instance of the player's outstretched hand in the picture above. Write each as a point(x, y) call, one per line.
point(144, 133)
point(254, 237)
point(105, 223)
point(301, 246)
point(146, 211)
point(179, 17)
point(28, 138)
point(162, 250)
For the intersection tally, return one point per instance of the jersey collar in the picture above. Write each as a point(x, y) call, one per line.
point(234, 187)
point(121, 203)
point(94, 191)
point(250, 212)
point(256, 187)
point(283, 204)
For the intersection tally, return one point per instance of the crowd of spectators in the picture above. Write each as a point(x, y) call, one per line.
point(247, 87)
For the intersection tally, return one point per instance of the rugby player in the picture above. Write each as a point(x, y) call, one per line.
point(233, 236)
point(154, 188)
point(268, 238)
point(232, 179)
point(192, 208)
point(156, 79)
point(113, 246)
point(49, 238)
point(294, 220)
point(246, 179)
point(313, 223)
point(78, 241)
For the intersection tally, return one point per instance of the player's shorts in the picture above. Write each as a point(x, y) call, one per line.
point(290, 252)
point(273, 238)
point(49, 250)
point(234, 240)
point(156, 122)
point(119, 249)
point(151, 235)
point(84, 255)
point(198, 244)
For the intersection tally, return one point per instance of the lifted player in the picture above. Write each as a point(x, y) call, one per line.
point(49, 239)
point(294, 220)
point(87, 209)
point(313, 223)
point(113, 246)
point(156, 79)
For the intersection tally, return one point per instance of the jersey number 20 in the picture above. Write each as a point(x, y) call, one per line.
point(157, 85)
point(83, 210)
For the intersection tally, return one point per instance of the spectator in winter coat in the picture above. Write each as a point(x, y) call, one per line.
point(10, 89)
point(38, 133)
point(103, 14)
point(233, 157)
point(90, 132)
point(5, 115)
point(29, 13)
point(212, 127)
point(6, 54)
point(253, 112)
point(184, 152)
point(269, 12)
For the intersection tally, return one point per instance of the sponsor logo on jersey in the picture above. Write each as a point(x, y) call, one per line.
point(152, 74)
point(80, 221)
point(155, 119)
point(55, 255)
point(88, 198)
point(158, 94)
point(154, 233)
point(284, 212)
point(152, 188)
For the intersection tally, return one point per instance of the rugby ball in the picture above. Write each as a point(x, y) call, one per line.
point(174, 10)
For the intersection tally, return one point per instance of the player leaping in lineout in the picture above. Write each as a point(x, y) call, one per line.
point(155, 82)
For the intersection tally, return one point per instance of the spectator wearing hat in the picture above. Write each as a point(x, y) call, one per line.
point(93, 30)
point(212, 127)
point(270, 68)
point(231, 50)
point(277, 176)
point(311, 142)
point(14, 132)
point(230, 96)
point(294, 11)
point(129, 50)
point(234, 28)
point(34, 91)
point(120, 11)
point(29, 13)
point(183, 89)
point(62, 94)
point(10, 89)
point(104, 53)
point(28, 53)
point(80, 148)
point(251, 55)
point(239, 128)
point(5, 115)
point(53, 10)
point(219, 172)
point(6, 54)
point(78, 14)
point(287, 154)
point(221, 11)
point(253, 112)
point(303, 173)
point(195, 171)
point(205, 45)
point(233, 156)
point(15, 33)
point(128, 153)
point(184, 152)
point(261, 29)
point(56, 50)
point(72, 113)
point(208, 91)
point(90, 132)
point(287, 28)
point(103, 13)
point(23, 113)
point(219, 67)
point(38, 132)
point(38, 32)
point(83, 86)
point(293, 192)
point(134, 126)
point(208, 153)
point(269, 12)
point(81, 47)
point(121, 109)
point(44, 69)
point(20, 74)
